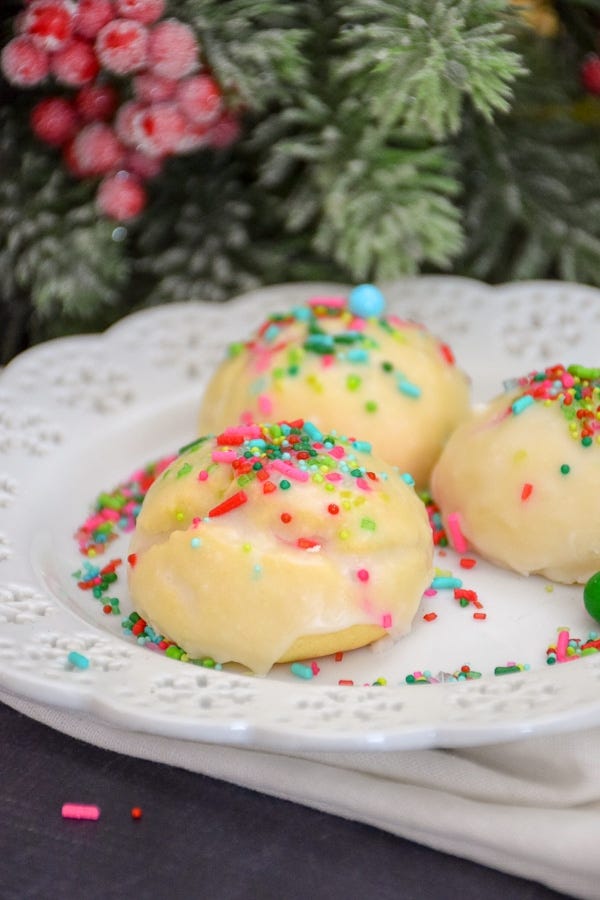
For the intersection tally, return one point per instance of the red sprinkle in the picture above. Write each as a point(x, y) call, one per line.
point(230, 439)
point(132, 559)
point(468, 563)
point(464, 594)
point(285, 518)
point(136, 813)
point(527, 491)
point(345, 681)
point(429, 617)
point(339, 656)
point(480, 615)
point(307, 543)
point(229, 504)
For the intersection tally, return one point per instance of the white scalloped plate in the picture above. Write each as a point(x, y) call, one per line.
point(79, 415)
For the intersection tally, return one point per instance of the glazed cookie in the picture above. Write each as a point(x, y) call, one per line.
point(274, 543)
point(521, 480)
point(345, 365)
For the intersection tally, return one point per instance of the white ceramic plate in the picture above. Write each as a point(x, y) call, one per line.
point(79, 415)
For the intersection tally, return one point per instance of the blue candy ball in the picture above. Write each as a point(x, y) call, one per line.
point(366, 300)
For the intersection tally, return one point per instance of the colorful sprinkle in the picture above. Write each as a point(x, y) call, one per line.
point(83, 811)
point(78, 660)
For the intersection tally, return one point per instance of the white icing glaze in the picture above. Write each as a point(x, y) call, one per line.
point(332, 551)
point(504, 474)
point(393, 382)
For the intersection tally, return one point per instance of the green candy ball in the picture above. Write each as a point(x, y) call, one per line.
point(591, 596)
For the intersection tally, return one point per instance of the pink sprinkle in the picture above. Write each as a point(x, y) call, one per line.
point(337, 452)
point(429, 592)
point(249, 431)
point(362, 575)
point(202, 475)
point(93, 522)
point(315, 668)
point(262, 359)
point(386, 620)
point(455, 533)
point(327, 360)
point(223, 455)
point(80, 811)
point(247, 418)
point(357, 324)
point(333, 476)
point(332, 302)
point(363, 484)
point(290, 471)
point(568, 380)
point(562, 644)
point(265, 404)
point(196, 521)
point(111, 514)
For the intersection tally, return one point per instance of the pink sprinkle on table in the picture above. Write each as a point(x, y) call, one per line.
point(80, 811)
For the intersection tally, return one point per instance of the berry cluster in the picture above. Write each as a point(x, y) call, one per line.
point(140, 94)
point(590, 73)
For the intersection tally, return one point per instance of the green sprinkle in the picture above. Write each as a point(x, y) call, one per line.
point(284, 484)
point(353, 382)
point(371, 406)
point(193, 445)
point(368, 524)
point(565, 469)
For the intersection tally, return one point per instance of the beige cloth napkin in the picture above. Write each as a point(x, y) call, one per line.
point(530, 807)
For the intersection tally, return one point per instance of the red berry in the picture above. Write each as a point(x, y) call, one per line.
point(54, 120)
point(91, 16)
point(140, 164)
point(590, 73)
point(23, 63)
point(76, 64)
point(173, 49)
point(48, 23)
point(70, 161)
point(145, 11)
point(195, 137)
point(124, 122)
point(200, 99)
point(96, 102)
point(159, 129)
point(97, 150)
point(121, 196)
point(122, 46)
point(152, 89)
point(224, 132)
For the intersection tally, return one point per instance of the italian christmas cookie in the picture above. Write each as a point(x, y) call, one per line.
point(520, 481)
point(275, 543)
point(345, 365)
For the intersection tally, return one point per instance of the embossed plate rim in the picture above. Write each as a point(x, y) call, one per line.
point(222, 706)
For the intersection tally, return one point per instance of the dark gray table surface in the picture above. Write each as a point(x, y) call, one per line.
point(198, 837)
